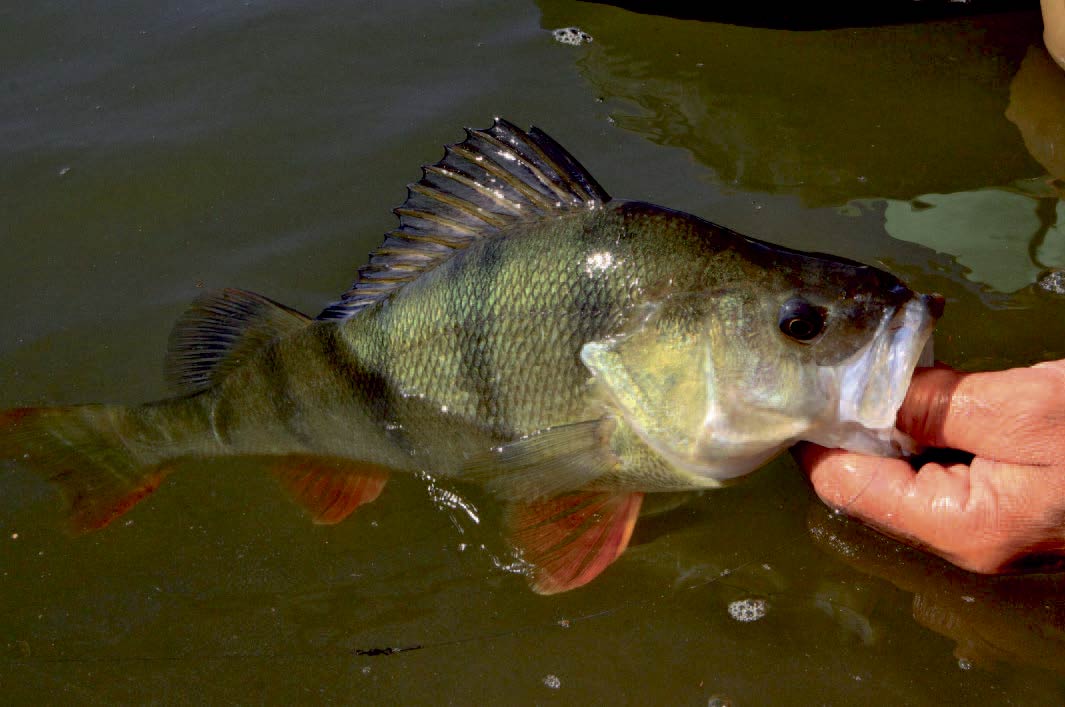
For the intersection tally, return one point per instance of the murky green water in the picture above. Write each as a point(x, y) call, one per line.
point(146, 153)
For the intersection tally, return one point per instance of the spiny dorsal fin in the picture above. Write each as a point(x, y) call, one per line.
point(489, 181)
point(220, 330)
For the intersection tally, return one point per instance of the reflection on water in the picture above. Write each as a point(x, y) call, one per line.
point(830, 116)
point(1036, 96)
point(778, 14)
point(992, 620)
point(1003, 238)
point(220, 588)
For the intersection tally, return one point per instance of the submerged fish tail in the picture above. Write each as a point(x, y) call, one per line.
point(104, 458)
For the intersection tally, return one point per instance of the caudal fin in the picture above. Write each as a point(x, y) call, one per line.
point(84, 451)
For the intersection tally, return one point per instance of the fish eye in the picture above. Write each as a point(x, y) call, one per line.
point(801, 320)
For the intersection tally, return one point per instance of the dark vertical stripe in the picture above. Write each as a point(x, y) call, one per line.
point(368, 388)
point(480, 333)
point(279, 390)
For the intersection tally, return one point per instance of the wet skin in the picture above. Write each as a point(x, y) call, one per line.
point(1004, 510)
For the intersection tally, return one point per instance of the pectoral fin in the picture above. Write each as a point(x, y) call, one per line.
point(546, 463)
point(330, 489)
point(569, 540)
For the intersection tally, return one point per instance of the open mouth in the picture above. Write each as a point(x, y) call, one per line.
point(872, 384)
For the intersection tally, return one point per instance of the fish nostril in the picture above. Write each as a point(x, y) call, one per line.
point(935, 303)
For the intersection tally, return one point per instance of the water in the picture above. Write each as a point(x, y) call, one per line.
point(146, 153)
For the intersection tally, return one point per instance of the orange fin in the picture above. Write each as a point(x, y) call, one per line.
point(569, 540)
point(81, 450)
point(97, 513)
point(330, 488)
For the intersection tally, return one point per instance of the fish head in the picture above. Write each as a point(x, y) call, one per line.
point(791, 347)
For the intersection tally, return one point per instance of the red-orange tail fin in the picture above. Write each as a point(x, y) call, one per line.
point(82, 450)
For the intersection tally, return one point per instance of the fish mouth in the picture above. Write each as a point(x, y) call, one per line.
point(869, 387)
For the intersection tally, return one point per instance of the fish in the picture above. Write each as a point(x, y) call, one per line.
point(521, 330)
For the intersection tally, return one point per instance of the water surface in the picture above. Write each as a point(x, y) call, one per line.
point(147, 153)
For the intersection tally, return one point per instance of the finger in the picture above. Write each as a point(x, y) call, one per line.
point(929, 509)
point(869, 488)
point(981, 518)
point(1017, 415)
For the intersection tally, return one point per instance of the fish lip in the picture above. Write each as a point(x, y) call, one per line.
point(869, 387)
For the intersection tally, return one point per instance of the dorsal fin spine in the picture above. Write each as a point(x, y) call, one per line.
point(508, 152)
point(466, 181)
point(499, 172)
point(458, 205)
point(493, 179)
point(435, 218)
point(590, 189)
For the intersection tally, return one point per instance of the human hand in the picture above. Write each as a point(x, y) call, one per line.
point(1003, 511)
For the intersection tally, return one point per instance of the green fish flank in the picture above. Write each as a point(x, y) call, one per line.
point(523, 331)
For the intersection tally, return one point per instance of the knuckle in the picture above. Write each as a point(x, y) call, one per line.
point(988, 556)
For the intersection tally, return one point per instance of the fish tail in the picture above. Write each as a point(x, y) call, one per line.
point(91, 452)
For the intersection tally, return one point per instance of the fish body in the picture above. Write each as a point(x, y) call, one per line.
point(522, 330)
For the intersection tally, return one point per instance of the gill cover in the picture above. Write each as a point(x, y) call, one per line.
point(696, 381)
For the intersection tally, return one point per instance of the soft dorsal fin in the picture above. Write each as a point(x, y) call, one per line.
point(491, 180)
point(219, 331)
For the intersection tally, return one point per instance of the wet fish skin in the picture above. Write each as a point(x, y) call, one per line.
point(521, 330)
point(486, 348)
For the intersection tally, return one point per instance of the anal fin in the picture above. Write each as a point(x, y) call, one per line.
point(330, 489)
point(569, 540)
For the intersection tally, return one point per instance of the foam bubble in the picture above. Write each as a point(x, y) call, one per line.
point(571, 35)
point(747, 610)
point(1053, 281)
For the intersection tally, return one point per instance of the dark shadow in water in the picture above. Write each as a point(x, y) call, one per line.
point(881, 111)
point(1013, 619)
point(783, 14)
